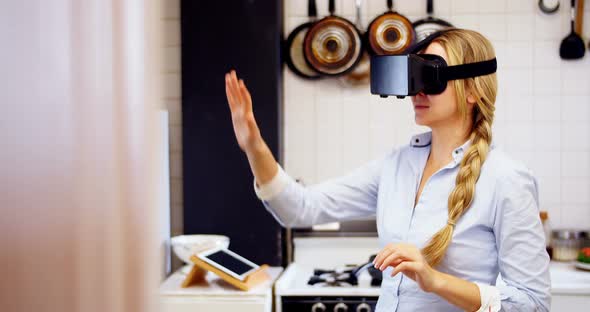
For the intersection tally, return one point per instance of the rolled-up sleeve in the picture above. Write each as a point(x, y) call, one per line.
point(352, 196)
point(522, 258)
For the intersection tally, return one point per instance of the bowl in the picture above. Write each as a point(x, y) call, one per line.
point(185, 246)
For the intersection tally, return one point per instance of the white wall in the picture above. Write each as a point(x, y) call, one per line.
point(543, 105)
point(170, 21)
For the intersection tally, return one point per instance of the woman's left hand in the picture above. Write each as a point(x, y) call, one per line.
point(408, 259)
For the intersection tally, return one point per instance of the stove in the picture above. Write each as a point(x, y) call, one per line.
point(330, 274)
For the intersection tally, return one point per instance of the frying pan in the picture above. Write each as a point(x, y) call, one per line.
point(295, 57)
point(430, 24)
point(390, 33)
point(333, 45)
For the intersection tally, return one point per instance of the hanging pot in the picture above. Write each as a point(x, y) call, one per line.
point(294, 55)
point(430, 24)
point(390, 33)
point(333, 45)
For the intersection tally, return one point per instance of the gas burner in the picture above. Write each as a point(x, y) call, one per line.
point(340, 277)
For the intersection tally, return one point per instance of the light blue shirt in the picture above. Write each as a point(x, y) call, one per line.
point(500, 233)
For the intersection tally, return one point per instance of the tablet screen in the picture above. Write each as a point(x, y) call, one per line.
point(231, 263)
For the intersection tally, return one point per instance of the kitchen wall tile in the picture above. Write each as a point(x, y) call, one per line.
point(170, 9)
point(520, 54)
point(576, 136)
point(486, 7)
point(176, 191)
point(547, 81)
point(521, 136)
point(576, 216)
point(547, 108)
point(175, 165)
point(493, 26)
point(547, 163)
point(548, 27)
point(520, 108)
point(575, 191)
point(464, 6)
point(355, 146)
point(553, 211)
point(349, 7)
point(549, 191)
point(547, 136)
point(575, 164)
point(521, 27)
point(171, 60)
point(171, 85)
point(174, 112)
point(171, 36)
point(175, 138)
point(416, 8)
point(521, 6)
point(546, 54)
point(575, 108)
point(468, 21)
point(575, 78)
point(442, 8)
point(329, 140)
point(517, 81)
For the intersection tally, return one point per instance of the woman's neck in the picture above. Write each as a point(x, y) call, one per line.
point(445, 140)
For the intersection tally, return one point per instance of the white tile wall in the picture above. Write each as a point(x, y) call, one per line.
point(170, 20)
point(542, 109)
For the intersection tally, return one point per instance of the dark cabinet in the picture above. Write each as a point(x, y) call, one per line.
point(218, 192)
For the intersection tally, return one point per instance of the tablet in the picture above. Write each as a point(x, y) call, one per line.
point(228, 262)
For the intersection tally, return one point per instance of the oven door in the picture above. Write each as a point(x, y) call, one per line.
point(328, 303)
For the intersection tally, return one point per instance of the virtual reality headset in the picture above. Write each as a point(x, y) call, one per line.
point(410, 74)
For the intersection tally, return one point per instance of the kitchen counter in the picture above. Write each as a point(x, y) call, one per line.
point(566, 279)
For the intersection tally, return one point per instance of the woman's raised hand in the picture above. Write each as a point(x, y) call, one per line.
point(240, 104)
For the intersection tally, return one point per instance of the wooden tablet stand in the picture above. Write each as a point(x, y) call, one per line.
point(197, 275)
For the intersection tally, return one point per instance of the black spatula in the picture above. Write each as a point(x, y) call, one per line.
point(572, 47)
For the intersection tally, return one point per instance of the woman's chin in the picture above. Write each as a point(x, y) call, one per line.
point(420, 120)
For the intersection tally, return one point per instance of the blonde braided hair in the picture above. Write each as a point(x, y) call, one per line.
point(466, 46)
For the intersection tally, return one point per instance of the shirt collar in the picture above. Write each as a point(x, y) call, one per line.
point(424, 140)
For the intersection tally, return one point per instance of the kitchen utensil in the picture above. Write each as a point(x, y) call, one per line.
point(572, 47)
point(390, 33)
point(185, 246)
point(333, 45)
point(294, 55)
point(579, 17)
point(566, 244)
point(546, 9)
point(430, 24)
point(361, 73)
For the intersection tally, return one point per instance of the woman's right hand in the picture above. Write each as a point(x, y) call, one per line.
point(240, 104)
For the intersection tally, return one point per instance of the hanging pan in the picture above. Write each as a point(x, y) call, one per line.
point(333, 45)
point(295, 57)
point(430, 24)
point(390, 33)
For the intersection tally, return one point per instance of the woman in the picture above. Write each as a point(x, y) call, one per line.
point(452, 210)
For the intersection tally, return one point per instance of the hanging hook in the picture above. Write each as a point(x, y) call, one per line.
point(547, 9)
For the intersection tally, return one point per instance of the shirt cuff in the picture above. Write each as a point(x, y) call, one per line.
point(273, 187)
point(490, 298)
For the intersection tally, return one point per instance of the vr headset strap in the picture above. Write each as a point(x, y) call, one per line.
point(469, 70)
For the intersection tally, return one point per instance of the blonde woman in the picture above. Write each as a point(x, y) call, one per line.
point(452, 210)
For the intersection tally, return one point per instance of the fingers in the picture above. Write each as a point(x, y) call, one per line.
point(382, 255)
point(393, 259)
point(404, 266)
point(232, 91)
point(246, 96)
point(230, 98)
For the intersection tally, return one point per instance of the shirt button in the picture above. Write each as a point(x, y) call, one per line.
point(417, 140)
